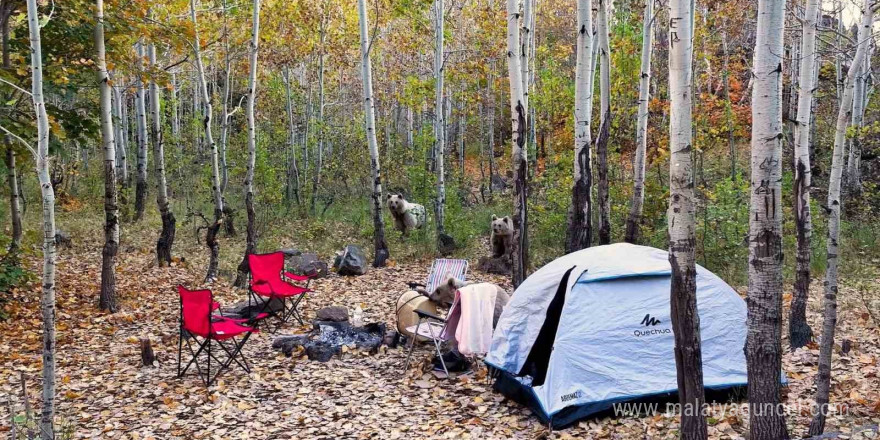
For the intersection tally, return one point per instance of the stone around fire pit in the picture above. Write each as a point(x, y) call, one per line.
point(328, 337)
point(333, 313)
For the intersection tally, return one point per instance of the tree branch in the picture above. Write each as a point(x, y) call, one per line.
point(16, 87)
point(26, 144)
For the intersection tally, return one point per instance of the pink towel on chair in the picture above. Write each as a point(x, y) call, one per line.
point(470, 318)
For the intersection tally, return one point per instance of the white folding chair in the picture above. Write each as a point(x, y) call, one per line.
point(431, 326)
point(442, 266)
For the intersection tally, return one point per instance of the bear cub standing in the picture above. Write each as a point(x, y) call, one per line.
point(502, 234)
point(407, 216)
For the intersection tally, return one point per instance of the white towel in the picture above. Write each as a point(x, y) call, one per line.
point(470, 318)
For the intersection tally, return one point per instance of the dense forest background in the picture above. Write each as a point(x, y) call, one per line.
point(309, 52)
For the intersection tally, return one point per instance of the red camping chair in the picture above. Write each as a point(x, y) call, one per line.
point(200, 327)
point(268, 283)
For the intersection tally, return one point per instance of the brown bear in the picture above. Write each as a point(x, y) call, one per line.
point(502, 235)
point(445, 294)
point(406, 215)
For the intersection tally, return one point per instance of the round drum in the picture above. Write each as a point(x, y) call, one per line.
point(407, 304)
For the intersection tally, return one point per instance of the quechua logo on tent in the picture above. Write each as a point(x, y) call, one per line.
point(650, 321)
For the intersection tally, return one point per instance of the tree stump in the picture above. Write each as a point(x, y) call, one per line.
point(147, 355)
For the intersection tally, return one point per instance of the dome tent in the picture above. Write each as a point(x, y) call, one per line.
point(593, 328)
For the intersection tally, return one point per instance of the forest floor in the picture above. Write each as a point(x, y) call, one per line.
point(103, 391)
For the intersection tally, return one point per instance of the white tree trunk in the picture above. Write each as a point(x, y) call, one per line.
point(166, 237)
point(14, 199)
point(764, 340)
point(635, 213)
point(140, 195)
point(799, 331)
point(291, 130)
point(594, 62)
point(126, 123)
point(439, 119)
point(491, 111)
point(853, 178)
point(829, 323)
point(225, 115)
point(211, 238)
point(12, 174)
point(42, 159)
point(579, 232)
point(838, 57)
point(526, 46)
point(380, 248)
point(682, 228)
point(319, 157)
point(410, 140)
point(519, 156)
point(530, 84)
point(121, 159)
point(251, 228)
point(462, 129)
point(308, 124)
point(604, 122)
point(111, 217)
point(728, 104)
point(175, 109)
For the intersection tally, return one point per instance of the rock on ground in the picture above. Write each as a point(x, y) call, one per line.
point(351, 261)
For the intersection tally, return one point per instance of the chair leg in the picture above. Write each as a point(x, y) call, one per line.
point(439, 352)
point(295, 308)
point(208, 377)
point(412, 344)
point(179, 349)
point(266, 308)
point(235, 353)
point(195, 356)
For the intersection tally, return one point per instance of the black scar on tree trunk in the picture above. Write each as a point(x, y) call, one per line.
point(244, 268)
point(580, 230)
point(229, 221)
point(602, 192)
point(688, 352)
point(632, 223)
point(520, 216)
point(140, 199)
point(107, 299)
point(799, 331)
point(764, 345)
point(380, 247)
point(213, 245)
point(166, 238)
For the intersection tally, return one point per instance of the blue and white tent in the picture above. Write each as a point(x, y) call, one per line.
point(593, 328)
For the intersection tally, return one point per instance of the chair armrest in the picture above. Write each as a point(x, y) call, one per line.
point(296, 277)
point(425, 315)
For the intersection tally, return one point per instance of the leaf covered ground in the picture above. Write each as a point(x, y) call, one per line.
point(104, 392)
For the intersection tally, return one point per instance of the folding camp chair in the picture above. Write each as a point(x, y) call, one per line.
point(430, 326)
point(267, 284)
point(442, 266)
point(200, 327)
